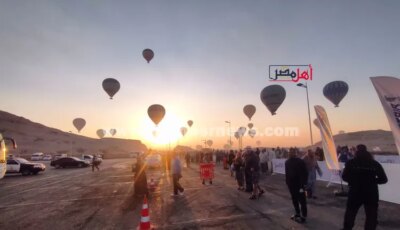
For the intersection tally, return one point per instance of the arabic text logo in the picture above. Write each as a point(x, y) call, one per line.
point(292, 73)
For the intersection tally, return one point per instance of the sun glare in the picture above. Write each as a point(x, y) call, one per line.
point(167, 131)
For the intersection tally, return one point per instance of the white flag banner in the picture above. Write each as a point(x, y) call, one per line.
point(388, 89)
point(328, 144)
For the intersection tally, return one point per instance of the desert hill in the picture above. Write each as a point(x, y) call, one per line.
point(33, 137)
point(379, 141)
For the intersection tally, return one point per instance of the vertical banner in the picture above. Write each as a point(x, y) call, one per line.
point(388, 89)
point(3, 160)
point(328, 144)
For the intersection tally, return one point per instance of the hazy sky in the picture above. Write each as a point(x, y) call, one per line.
point(211, 59)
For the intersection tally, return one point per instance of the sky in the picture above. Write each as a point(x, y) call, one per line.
point(211, 59)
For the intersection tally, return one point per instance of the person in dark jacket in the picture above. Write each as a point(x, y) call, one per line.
point(296, 180)
point(231, 157)
point(363, 174)
point(254, 164)
point(140, 178)
point(247, 171)
point(238, 166)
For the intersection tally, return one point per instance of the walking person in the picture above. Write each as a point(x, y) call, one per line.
point(363, 174)
point(312, 168)
point(296, 179)
point(238, 164)
point(176, 167)
point(95, 163)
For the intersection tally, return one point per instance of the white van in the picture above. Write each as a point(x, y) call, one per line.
point(37, 156)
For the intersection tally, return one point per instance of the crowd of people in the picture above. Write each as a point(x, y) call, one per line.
point(361, 172)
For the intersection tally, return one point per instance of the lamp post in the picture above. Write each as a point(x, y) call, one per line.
point(230, 133)
point(308, 105)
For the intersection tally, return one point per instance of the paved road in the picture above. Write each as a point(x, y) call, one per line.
point(80, 199)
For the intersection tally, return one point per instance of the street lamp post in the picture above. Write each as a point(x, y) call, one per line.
point(308, 105)
point(230, 133)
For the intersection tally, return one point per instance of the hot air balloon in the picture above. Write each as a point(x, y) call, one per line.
point(156, 113)
point(249, 111)
point(272, 96)
point(242, 131)
point(250, 125)
point(335, 91)
point(148, 54)
point(237, 135)
point(258, 143)
point(79, 123)
point(101, 133)
point(209, 143)
point(111, 86)
point(113, 132)
point(190, 123)
point(183, 131)
point(252, 133)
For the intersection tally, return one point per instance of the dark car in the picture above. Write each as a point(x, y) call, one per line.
point(20, 165)
point(69, 162)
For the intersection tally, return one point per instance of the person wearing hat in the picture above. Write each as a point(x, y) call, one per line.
point(363, 174)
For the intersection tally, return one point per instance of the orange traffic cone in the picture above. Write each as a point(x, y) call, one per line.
point(145, 217)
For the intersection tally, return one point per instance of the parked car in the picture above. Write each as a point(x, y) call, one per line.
point(37, 156)
point(47, 157)
point(69, 162)
point(89, 158)
point(20, 165)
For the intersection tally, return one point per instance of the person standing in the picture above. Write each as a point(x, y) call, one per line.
point(344, 155)
point(296, 180)
point(140, 178)
point(271, 157)
point(254, 164)
point(313, 168)
point(207, 160)
point(187, 158)
point(238, 166)
point(231, 157)
point(176, 168)
point(363, 175)
point(264, 161)
point(247, 171)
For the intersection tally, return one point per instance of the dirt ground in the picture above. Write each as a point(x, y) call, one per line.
point(82, 199)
